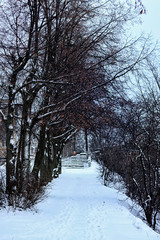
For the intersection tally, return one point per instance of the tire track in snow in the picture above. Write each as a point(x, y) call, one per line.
point(96, 222)
point(54, 227)
point(63, 221)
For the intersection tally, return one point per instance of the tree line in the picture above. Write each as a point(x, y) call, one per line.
point(131, 146)
point(62, 64)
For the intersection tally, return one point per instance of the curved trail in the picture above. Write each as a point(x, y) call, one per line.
point(78, 208)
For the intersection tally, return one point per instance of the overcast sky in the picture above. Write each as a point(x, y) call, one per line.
point(151, 20)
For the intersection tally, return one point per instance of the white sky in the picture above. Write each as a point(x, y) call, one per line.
point(151, 20)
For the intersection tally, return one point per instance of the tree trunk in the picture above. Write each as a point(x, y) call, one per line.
point(86, 140)
point(10, 153)
point(148, 213)
point(39, 158)
point(57, 151)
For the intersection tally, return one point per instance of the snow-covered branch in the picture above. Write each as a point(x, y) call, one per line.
point(3, 116)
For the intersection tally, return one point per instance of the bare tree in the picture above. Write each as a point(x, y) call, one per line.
point(52, 56)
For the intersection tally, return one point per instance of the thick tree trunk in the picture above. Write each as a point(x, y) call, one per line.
point(57, 151)
point(39, 158)
point(10, 152)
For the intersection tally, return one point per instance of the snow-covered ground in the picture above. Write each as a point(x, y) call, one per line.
point(78, 207)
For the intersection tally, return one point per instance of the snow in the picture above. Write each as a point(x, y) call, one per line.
point(11, 127)
point(2, 114)
point(78, 207)
point(12, 141)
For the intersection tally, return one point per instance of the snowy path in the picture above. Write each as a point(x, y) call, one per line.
point(78, 208)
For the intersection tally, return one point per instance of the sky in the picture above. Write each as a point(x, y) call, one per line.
point(151, 20)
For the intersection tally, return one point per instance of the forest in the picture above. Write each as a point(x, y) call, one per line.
point(67, 66)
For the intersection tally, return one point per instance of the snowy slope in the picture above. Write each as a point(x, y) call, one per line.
point(78, 208)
